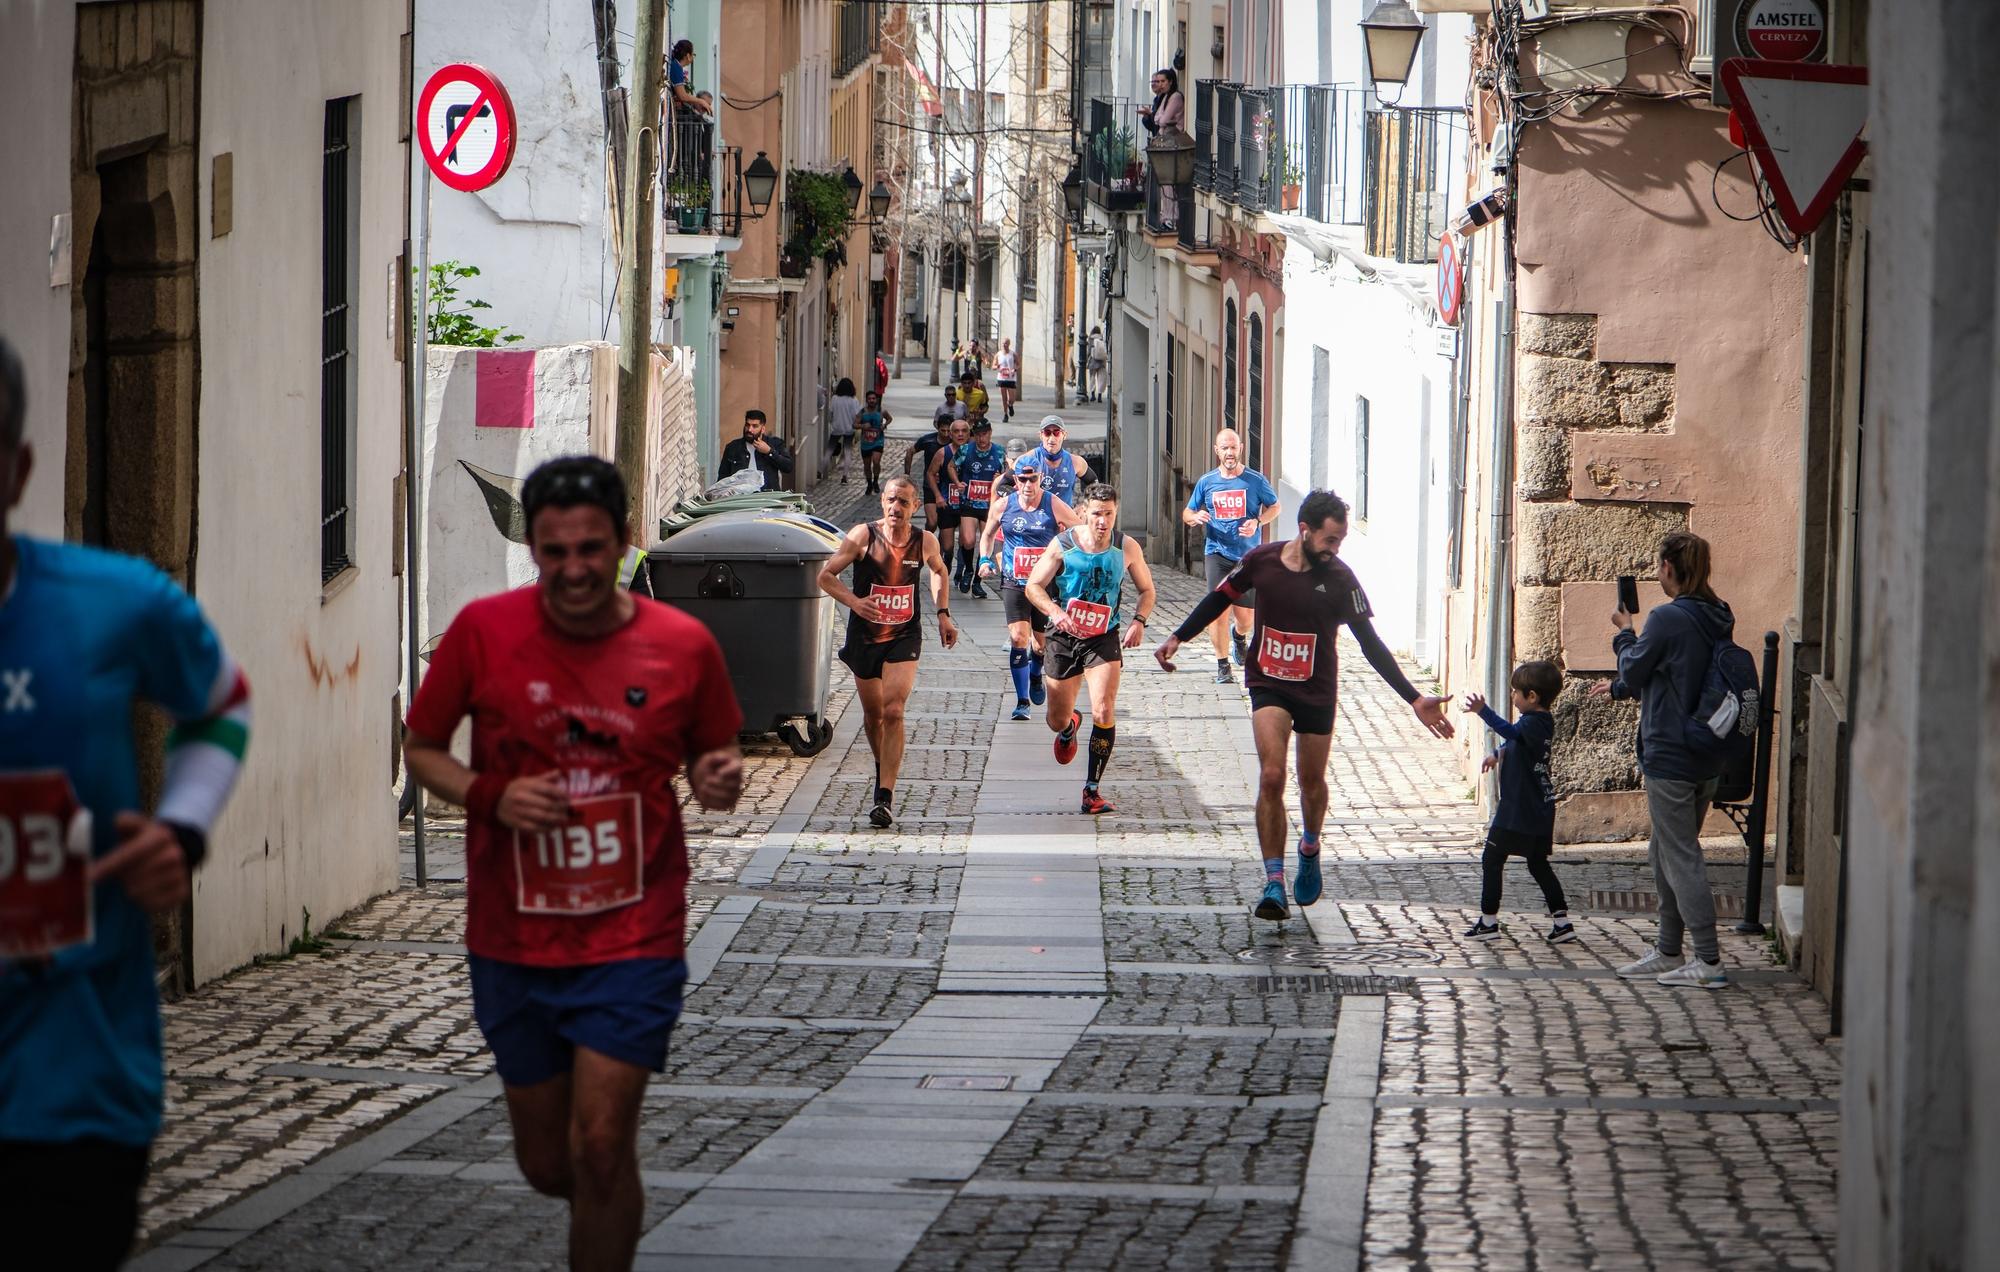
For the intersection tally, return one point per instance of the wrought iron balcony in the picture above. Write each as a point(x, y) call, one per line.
point(1412, 158)
point(1113, 165)
point(688, 171)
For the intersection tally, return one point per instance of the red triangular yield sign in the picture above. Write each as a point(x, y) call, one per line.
point(1804, 123)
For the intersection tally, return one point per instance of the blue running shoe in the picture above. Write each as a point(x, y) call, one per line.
point(1037, 693)
point(1020, 711)
point(1272, 904)
point(1305, 885)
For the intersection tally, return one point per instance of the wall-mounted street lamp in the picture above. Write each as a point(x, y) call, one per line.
point(1391, 32)
point(852, 183)
point(878, 203)
point(760, 182)
point(1172, 158)
point(1072, 188)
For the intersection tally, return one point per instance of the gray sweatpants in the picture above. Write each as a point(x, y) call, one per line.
point(1686, 904)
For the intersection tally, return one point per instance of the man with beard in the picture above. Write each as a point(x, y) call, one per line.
point(1304, 592)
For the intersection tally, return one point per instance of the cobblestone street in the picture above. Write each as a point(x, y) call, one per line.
point(1005, 1035)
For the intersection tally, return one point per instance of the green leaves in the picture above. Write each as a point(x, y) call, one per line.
point(820, 210)
point(449, 321)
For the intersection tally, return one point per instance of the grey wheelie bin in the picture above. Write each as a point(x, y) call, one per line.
point(752, 579)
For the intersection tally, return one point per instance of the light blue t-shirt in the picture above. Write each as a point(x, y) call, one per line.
point(1229, 502)
point(84, 635)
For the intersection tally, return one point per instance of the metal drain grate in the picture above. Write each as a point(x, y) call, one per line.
point(1728, 905)
point(1329, 984)
point(967, 1081)
point(1376, 955)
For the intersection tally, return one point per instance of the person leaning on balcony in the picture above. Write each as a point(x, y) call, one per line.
point(756, 449)
point(1166, 117)
point(680, 80)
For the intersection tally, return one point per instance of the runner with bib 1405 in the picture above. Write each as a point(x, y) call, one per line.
point(585, 702)
point(1304, 592)
point(884, 638)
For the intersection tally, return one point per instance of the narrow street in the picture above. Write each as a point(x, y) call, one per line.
point(1004, 1034)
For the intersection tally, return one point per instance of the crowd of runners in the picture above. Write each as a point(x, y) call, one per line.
point(586, 704)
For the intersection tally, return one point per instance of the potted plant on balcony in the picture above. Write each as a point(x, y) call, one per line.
point(1290, 174)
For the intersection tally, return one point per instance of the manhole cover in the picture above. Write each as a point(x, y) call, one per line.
point(1293, 983)
point(1728, 905)
point(967, 1081)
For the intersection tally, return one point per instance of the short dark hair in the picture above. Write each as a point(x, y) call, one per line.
point(1100, 490)
point(1541, 678)
point(682, 48)
point(845, 388)
point(13, 397)
point(754, 414)
point(1320, 507)
point(575, 481)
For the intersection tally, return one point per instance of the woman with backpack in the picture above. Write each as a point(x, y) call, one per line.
point(1667, 669)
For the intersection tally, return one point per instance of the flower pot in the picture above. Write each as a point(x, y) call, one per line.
point(1290, 194)
point(687, 218)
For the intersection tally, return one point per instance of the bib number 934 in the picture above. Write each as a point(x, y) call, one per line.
point(45, 894)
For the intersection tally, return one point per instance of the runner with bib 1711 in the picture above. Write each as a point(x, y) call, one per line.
point(884, 638)
point(1078, 583)
point(1305, 592)
point(1026, 522)
point(585, 702)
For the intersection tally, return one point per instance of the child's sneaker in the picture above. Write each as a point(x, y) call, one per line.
point(1561, 934)
point(1483, 931)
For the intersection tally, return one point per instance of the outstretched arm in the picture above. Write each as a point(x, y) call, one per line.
point(940, 590)
point(1430, 710)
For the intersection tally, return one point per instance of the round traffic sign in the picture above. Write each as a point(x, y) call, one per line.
point(1450, 280)
point(1781, 30)
point(465, 126)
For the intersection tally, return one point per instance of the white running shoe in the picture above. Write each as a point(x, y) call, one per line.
point(1696, 974)
point(1648, 967)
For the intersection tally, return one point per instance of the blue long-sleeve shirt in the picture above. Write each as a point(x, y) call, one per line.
point(1527, 790)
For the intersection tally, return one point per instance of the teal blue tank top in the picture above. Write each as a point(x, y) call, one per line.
point(1096, 577)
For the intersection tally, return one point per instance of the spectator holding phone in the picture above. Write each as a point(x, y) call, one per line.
point(1664, 668)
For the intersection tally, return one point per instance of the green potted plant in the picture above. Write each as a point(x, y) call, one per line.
point(1290, 174)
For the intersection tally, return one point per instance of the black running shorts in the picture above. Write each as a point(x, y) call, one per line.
point(1219, 568)
point(867, 658)
point(947, 519)
point(1014, 602)
point(1305, 718)
point(1066, 656)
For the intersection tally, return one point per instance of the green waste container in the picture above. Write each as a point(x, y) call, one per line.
point(752, 578)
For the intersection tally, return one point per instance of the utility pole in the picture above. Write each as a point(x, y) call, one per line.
point(635, 300)
point(936, 331)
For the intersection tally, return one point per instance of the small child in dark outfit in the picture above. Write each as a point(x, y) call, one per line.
point(1524, 822)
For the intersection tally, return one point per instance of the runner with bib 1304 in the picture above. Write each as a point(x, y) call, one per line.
point(1304, 593)
point(1025, 522)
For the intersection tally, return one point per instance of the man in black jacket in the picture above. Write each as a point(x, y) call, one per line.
point(756, 449)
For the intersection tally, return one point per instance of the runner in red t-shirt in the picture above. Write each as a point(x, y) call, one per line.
point(1304, 592)
point(585, 701)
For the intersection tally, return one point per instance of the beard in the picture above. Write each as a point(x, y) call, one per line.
point(1316, 560)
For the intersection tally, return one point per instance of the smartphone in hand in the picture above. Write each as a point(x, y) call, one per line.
point(1628, 593)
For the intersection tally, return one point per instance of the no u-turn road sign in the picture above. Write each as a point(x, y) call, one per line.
point(465, 124)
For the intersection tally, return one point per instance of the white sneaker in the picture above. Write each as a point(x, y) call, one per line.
point(1650, 966)
point(1696, 973)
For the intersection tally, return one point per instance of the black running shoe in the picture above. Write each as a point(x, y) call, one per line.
point(1483, 931)
point(880, 817)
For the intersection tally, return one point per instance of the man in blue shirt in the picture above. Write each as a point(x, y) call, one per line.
point(84, 634)
point(1232, 504)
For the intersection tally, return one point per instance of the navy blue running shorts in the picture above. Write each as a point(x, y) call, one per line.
point(535, 1018)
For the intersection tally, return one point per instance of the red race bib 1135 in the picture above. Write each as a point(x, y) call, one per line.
point(1286, 655)
point(45, 897)
point(594, 863)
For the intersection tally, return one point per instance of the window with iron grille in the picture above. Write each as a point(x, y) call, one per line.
point(1229, 364)
point(339, 248)
point(1253, 445)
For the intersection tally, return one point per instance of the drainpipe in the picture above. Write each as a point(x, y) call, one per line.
point(1500, 547)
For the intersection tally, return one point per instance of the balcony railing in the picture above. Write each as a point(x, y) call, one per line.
point(1411, 158)
point(1112, 160)
point(687, 172)
point(1324, 151)
point(857, 35)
